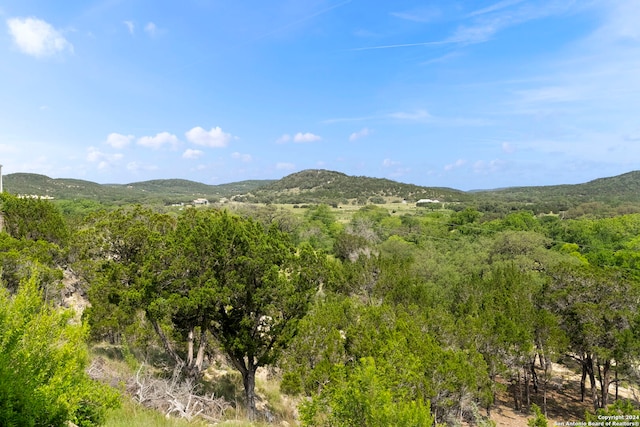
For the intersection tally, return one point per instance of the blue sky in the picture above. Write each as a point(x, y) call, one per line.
point(462, 94)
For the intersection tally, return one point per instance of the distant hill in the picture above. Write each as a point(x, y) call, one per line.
point(324, 186)
point(155, 191)
point(616, 190)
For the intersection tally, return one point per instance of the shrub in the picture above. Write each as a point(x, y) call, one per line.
point(42, 361)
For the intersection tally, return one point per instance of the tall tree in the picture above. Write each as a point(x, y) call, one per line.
point(259, 286)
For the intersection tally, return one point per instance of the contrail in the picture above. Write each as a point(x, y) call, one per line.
point(394, 46)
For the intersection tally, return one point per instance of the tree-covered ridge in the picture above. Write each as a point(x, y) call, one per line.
point(162, 191)
point(323, 186)
point(601, 197)
point(615, 190)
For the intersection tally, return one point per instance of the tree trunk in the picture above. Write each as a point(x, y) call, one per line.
point(520, 390)
point(583, 388)
point(616, 380)
point(165, 342)
point(249, 382)
point(201, 348)
point(190, 348)
point(527, 393)
point(592, 380)
point(605, 379)
point(515, 383)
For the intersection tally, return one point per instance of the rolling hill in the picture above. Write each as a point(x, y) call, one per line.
point(324, 186)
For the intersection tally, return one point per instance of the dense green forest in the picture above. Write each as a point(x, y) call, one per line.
point(373, 317)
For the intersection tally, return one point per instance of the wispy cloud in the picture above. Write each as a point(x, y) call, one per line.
point(422, 14)
point(130, 26)
point(486, 22)
point(359, 134)
point(387, 163)
point(103, 160)
point(192, 154)
point(137, 167)
point(299, 138)
point(151, 29)
point(246, 158)
point(418, 115)
point(457, 164)
point(283, 139)
point(37, 38)
point(508, 148)
point(487, 167)
point(285, 166)
point(494, 7)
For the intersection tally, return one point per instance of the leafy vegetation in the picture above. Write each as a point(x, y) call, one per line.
point(367, 316)
point(42, 361)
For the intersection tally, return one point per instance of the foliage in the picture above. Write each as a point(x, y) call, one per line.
point(207, 272)
point(42, 361)
point(21, 258)
point(33, 219)
point(538, 420)
point(363, 397)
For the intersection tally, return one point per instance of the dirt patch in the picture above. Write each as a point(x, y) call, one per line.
point(563, 400)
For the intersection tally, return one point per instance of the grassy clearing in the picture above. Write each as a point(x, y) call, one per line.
point(133, 415)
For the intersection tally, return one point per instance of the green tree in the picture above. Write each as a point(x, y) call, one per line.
point(362, 397)
point(42, 362)
point(598, 313)
point(33, 219)
point(262, 286)
point(538, 420)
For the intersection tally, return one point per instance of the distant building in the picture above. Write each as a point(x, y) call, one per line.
point(427, 201)
point(201, 202)
point(34, 196)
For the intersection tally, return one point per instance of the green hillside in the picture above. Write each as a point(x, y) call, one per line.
point(154, 191)
point(323, 186)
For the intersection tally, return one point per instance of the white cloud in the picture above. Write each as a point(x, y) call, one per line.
point(242, 157)
point(158, 141)
point(419, 115)
point(137, 166)
point(118, 141)
point(359, 134)
point(306, 137)
point(422, 14)
point(130, 26)
point(37, 38)
point(103, 160)
point(458, 163)
point(192, 154)
point(285, 166)
point(508, 147)
point(151, 29)
point(387, 163)
point(483, 167)
point(214, 138)
point(283, 139)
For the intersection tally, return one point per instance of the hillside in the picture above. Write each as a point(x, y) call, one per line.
point(154, 191)
point(618, 190)
point(324, 186)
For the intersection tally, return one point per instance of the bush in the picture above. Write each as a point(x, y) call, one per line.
point(42, 361)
